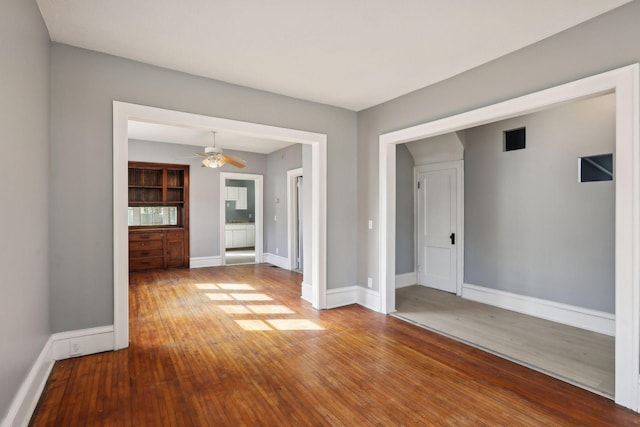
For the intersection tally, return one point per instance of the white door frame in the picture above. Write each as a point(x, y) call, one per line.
point(258, 181)
point(292, 208)
point(123, 112)
point(624, 83)
point(458, 165)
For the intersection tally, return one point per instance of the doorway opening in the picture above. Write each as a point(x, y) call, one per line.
point(317, 144)
point(241, 218)
point(295, 219)
point(624, 83)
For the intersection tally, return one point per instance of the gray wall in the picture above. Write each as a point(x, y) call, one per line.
point(604, 43)
point(24, 191)
point(204, 188)
point(83, 86)
point(244, 215)
point(405, 258)
point(275, 198)
point(530, 227)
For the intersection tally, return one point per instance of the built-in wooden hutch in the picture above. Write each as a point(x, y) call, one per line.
point(158, 216)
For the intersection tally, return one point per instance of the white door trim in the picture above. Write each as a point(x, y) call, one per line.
point(624, 83)
point(123, 112)
point(258, 180)
point(458, 165)
point(292, 175)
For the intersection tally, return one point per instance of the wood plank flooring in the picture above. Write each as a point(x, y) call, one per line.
point(236, 346)
point(576, 355)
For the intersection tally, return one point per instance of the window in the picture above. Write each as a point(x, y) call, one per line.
point(153, 215)
point(595, 168)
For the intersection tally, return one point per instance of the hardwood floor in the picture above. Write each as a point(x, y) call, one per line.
point(235, 345)
point(578, 356)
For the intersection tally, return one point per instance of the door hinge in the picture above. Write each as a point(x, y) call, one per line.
point(418, 185)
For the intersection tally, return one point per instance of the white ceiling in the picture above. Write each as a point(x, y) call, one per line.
point(190, 136)
point(348, 53)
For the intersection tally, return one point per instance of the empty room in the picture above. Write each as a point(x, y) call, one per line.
point(218, 220)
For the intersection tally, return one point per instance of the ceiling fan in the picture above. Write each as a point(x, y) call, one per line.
point(214, 158)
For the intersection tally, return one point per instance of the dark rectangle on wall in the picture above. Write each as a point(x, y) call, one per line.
point(514, 139)
point(596, 168)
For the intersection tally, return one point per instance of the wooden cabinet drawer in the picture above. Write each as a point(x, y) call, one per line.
point(136, 245)
point(146, 253)
point(139, 264)
point(152, 235)
point(158, 249)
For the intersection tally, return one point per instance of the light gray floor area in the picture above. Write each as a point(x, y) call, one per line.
point(581, 357)
point(240, 256)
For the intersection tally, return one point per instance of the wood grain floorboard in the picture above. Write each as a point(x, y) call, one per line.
point(236, 346)
point(579, 356)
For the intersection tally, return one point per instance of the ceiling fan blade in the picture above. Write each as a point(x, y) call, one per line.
point(235, 161)
point(202, 154)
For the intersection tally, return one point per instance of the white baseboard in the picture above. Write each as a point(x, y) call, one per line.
point(82, 342)
point(369, 298)
point(342, 296)
point(306, 292)
point(205, 261)
point(404, 280)
point(26, 399)
point(276, 260)
point(59, 346)
point(592, 320)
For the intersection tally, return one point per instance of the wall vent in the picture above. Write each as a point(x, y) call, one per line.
point(514, 139)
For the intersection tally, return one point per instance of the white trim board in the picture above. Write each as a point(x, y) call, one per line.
point(406, 279)
point(82, 342)
point(306, 293)
point(205, 261)
point(624, 82)
point(58, 347)
point(342, 296)
point(276, 260)
point(369, 298)
point(25, 401)
point(584, 318)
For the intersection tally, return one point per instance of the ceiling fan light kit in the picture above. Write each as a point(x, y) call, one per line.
point(213, 157)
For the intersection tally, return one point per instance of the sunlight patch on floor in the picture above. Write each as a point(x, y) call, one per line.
point(219, 297)
point(270, 309)
point(294, 325)
point(236, 287)
point(251, 297)
point(238, 303)
point(234, 309)
point(253, 325)
point(279, 324)
point(206, 286)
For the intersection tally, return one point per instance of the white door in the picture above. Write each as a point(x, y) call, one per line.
point(437, 219)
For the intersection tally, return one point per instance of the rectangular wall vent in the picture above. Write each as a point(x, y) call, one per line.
point(514, 139)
